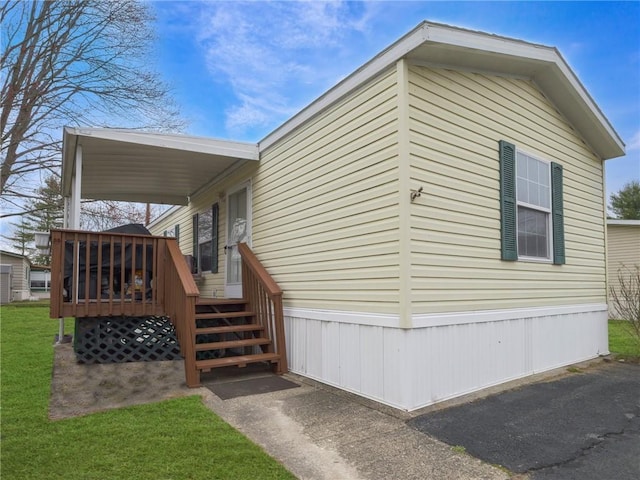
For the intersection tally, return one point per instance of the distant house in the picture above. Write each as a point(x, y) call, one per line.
point(435, 221)
point(40, 280)
point(623, 254)
point(16, 273)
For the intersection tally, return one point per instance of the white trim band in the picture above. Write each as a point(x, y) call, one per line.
point(440, 319)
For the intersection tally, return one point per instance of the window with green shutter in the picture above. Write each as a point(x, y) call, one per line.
point(557, 214)
point(508, 200)
point(532, 220)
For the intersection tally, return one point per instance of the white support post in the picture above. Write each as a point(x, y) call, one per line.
point(66, 222)
point(60, 331)
point(76, 189)
point(72, 216)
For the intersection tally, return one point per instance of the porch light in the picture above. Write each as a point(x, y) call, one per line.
point(42, 240)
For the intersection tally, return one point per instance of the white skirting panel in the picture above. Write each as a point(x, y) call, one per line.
point(445, 356)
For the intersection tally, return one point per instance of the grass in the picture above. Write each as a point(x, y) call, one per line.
point(175, 439)
point(622, 343)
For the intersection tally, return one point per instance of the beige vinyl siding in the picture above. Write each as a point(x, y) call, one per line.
point(325, 206)
point(211, 285)
point(19, 273)
point(623, 254)
point(168, 222)
point(456, 121)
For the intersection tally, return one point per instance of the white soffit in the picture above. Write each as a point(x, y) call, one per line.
point(453, 47)
point(138, 166)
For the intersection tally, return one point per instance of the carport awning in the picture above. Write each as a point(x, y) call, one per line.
point(133, 166)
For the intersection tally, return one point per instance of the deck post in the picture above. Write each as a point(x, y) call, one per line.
point(60, 330)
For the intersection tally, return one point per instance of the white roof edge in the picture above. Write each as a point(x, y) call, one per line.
point(454, 36)
point(614, 221)
point(13, 254)
point(169, 211)
point(245, 151)
point(68, 152)
point(587, 98)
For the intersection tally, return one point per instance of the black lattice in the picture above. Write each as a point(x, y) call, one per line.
point(125, 339)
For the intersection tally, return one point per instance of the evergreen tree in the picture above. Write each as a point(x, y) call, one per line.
point(22, 239)
point(626, 203)
point(44, 212)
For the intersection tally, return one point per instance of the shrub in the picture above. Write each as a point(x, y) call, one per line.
point(625, 298)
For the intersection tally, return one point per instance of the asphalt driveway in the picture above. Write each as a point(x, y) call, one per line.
point(585, 425)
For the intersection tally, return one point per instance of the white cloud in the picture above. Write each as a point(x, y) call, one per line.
point(276, 56)
point(634, 143)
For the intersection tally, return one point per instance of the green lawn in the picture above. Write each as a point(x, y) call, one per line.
point(176, 439)
point(621, 340)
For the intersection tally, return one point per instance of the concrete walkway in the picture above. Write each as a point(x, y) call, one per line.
point(319, 432)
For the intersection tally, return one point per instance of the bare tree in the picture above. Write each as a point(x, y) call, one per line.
point(103, 215)
point(76, 62)
point(626, 298)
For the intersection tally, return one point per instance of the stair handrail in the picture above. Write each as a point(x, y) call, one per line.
point(180, 296)
point(264, 297)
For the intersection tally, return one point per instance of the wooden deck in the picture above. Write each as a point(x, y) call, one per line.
point(114, 274)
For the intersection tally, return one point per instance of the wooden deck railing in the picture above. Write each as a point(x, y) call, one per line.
point(264, 297)
point(106, 274)
point(180, 305)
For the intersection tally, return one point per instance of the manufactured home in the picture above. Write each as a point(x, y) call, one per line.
point(16, 273)
point(623, 259)
point(431, 226)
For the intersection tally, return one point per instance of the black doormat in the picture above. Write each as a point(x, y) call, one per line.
point(251, 386)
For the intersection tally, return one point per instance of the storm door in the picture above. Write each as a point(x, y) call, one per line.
point(238, 231)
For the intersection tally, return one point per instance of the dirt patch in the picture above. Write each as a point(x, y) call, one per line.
point(80, 389)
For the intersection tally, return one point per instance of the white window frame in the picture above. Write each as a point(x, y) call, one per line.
point(539, 208)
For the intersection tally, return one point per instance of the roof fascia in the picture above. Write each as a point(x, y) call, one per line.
point(623, 222)
point(546, 61)
point(6, 253)
point(245, 151)
point(167, 213)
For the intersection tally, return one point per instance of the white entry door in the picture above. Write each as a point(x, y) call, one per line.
point(238, 231)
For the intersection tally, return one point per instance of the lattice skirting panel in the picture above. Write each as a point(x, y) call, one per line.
point(125, 339)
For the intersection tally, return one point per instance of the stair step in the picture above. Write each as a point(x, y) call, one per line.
point(241, 360)
point(248, 327)
point(248, 342)
point(211, 316)
point(220, 301)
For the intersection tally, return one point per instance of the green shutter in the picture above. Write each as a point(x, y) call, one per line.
point(214, 238)
point(194, 251)
point(176, 232)
point(508, 223)
point(557, 214)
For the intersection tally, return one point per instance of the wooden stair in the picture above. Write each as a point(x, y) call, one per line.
point(227, 334)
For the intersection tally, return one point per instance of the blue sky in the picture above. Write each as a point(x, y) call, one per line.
point(240, 69)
